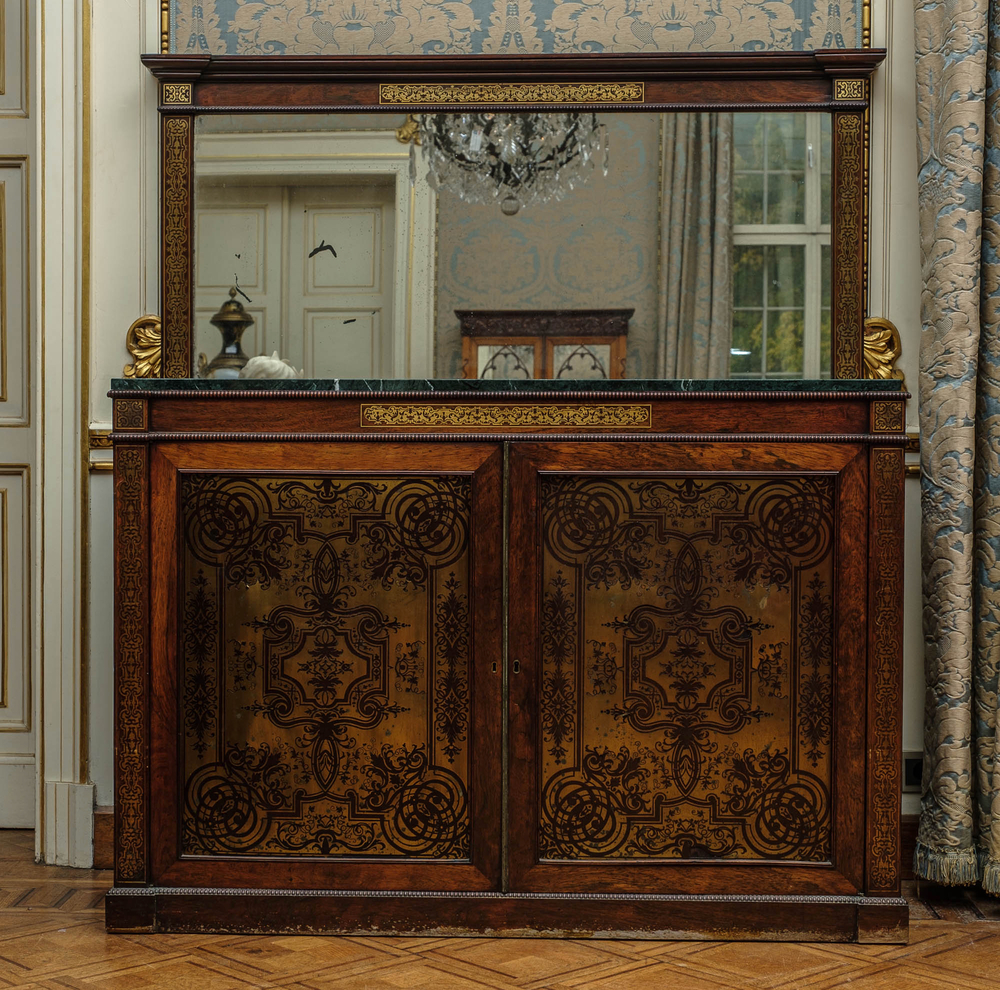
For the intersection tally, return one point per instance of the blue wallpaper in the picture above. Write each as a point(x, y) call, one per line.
point(409, 27)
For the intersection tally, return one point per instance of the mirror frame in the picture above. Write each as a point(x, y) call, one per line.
point(837, 81)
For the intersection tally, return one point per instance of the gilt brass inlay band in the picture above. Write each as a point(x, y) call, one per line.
point(612, 415)
point(489, 92)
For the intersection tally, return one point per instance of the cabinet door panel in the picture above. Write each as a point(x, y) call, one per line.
point(687, 624)
point(334, 616)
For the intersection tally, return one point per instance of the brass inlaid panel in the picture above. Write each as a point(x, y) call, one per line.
point(436, 94)
point(177, 92)
point(177, 157)
point(888, 416)
point(884, 679)
point(130, 414)
point(686, 685)
point(325, 642)
point(131, 664)
point(499, 416)
point(848, 89)
point(849, 148)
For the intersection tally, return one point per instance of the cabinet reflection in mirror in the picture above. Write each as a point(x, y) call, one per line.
point(354, 251)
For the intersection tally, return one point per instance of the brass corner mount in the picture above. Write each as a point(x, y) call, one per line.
point(144, 342)
point(882, 348)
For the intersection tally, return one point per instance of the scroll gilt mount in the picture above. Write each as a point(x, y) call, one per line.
point(144, 342)
point(410, 131)
point(882, 348)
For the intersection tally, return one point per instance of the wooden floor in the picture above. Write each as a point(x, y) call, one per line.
point(52, 935)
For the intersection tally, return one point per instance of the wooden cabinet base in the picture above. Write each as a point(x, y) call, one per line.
point(753, 918)
point(640, 683)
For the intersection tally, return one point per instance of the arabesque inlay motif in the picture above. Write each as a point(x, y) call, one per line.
point(848, 89)
point(177, 93)
point(176, 256)
point(849, 149)
point(130, 414)
point(509, 415)
point(687, 657)
point(439, 94)
point(131, 619)
point(887, 476)
point(326, 646)
point(888, 416)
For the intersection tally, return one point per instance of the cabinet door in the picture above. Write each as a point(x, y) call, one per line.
point(687, 658)
point(326, 641)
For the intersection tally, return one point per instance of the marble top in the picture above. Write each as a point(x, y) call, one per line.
point(477, 386)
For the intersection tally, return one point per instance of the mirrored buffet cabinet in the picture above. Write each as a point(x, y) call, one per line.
point(587, 652)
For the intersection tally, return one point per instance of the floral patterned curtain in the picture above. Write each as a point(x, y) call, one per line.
point(696, 246)
point(958, 139)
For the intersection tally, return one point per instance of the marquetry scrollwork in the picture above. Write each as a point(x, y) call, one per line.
point(177, 93)
point(849, 138)
point(326, 651)
point(888, 416)
point(506, 415)
point(130, 414)
point(687, 654)
point(144, 342)
point(884, 678)
point(849, 89)
point(489, 93)
point(176, 250)
point(131, 617)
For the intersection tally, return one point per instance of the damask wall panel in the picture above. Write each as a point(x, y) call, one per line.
point(431, 27)
point(686, 667)
point(325, 681)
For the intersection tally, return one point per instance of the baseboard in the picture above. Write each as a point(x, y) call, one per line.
point(68, 824)
point(104, 838)
point(907, 843)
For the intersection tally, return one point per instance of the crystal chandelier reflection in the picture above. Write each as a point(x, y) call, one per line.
point(513, 158)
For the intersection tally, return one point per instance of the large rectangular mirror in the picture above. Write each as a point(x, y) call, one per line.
point(666, 245)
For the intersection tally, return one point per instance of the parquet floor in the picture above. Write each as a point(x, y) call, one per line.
point(52, 936)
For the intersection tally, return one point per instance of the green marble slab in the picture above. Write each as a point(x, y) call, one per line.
point(467, 386)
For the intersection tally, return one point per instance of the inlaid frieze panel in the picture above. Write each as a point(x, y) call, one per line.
point(686, 651)
point(325, 675)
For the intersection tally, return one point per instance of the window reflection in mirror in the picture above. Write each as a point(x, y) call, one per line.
point(710, 230)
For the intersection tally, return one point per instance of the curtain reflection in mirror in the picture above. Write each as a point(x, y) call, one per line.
point(696, 246)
